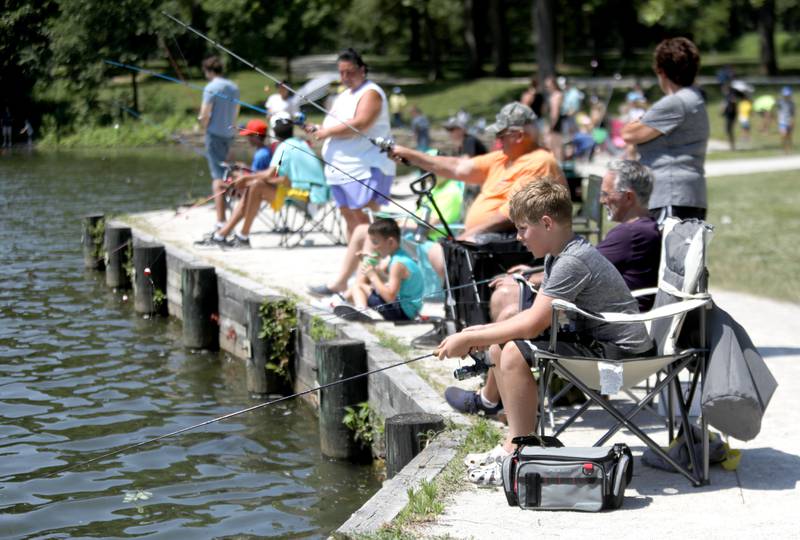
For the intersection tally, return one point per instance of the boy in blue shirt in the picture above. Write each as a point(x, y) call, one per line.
point(389, 280)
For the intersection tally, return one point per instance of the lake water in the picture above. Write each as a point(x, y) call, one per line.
point(81, 374)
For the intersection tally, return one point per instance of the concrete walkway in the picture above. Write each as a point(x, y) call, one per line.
point(756, 501)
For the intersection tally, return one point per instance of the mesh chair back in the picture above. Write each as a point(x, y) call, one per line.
point(681, 275)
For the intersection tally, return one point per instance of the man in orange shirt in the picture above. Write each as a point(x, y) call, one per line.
point(501, 173)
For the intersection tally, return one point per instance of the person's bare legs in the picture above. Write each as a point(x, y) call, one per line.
point(218, 187)
point(519, 392)
point(352, 218)
point(258, 191)
point(360, 292)
point(436, 258)
point(359, 241)
point(236, 216)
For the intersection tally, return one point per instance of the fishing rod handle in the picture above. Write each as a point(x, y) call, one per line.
point(387, 145)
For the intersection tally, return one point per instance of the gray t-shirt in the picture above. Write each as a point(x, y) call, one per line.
point(785, 111)
point(223, 95)
point(581, 275)
point(677, 157)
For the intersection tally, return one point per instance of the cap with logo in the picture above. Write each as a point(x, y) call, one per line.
point(514, 114)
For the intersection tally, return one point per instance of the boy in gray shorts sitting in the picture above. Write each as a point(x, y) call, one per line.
point(574, 271)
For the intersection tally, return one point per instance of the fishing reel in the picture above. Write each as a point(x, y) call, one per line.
point(299, 118)
point(481, 365)
point(387, 146)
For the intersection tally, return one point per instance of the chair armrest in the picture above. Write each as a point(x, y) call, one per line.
point(615, 318)
point(644, 292)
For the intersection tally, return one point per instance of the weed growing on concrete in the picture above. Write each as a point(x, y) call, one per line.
point(393, 343)
point(278, 321)
point(98, 233)
point(319, 330)
point(365, 423)
point(423, 503)
point(158, 298)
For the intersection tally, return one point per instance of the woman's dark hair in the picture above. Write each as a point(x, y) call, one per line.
point(384, 228)
point(213, 64)
point(350, 55)
point(679, 60)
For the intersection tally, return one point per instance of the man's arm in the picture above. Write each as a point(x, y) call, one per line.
point(637, 133)
point(460, 168)
point(496, 223)
point(526, 324)
point(205, 114)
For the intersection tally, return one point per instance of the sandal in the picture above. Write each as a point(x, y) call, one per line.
point(351, 313)
point(488, 475)
point(482, 459)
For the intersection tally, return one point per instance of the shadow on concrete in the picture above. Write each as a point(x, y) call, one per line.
point(768, 469)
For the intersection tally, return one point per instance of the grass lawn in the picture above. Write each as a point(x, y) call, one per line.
point(757, 226)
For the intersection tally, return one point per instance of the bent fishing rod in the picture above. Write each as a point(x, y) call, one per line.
point(380, 142)
point(237, 413)
point(385, 144)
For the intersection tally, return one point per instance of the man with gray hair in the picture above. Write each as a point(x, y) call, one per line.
point(633, 247)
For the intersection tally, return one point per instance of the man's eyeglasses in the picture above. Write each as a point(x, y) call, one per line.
point(606, 194)
point(506, 132)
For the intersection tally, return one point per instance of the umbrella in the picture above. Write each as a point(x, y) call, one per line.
point(743, 87)
point(315, 89)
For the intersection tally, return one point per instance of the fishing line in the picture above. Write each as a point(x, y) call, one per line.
point(249, 64)
point(237, 413)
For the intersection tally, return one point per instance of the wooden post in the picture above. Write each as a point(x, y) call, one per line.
point(92, 242)
point(200, 307)
point(336, 360)
point(150, 279)
point(406, 436)
point(117, 244)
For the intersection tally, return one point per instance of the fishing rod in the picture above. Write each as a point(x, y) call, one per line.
point(380, 142)
point(384, 144)
point(185, 83)
point(237, 413)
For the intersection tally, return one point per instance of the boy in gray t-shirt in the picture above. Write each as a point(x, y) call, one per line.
point(574, 271)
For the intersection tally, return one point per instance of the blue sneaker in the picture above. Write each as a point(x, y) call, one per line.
point(469, 402)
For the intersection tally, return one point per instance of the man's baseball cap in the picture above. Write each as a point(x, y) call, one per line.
point(514, 114)
point(454, 122)
point(255, 127)
point(786, 91)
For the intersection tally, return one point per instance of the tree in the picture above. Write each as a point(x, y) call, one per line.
point(766, 34)
point(544, 15)
point(500, 45)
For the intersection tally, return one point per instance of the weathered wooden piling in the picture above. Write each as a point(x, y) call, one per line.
point(200, 307)
point(92, 241)
point(118, 240)
point(406, 436)
point(261, 381)
point(150, 279)
point(336, 360)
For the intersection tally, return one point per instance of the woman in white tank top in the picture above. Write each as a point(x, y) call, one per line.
point(356, 170)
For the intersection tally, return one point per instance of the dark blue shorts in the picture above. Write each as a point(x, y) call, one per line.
point(390, 312)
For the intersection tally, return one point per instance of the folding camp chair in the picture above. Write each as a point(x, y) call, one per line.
point(308, 208)
point(679, 310)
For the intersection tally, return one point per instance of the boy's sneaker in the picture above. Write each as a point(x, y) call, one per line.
point(210, 241)
point(352, 313)
point(238, 243)
point(469, 402)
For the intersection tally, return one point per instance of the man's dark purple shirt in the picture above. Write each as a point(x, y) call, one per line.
point(635, 249)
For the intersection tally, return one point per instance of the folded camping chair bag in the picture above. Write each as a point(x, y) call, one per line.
point(585, 479)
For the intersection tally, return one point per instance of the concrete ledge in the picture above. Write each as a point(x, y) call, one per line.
point(387, 503)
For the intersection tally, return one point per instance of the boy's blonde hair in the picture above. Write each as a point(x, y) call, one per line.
point(541, 197)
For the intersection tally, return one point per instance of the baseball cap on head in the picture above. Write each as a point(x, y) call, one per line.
point(282, 117)
point(454, 122)
point(254, 127)
point(787, 91)
point(513, 114)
